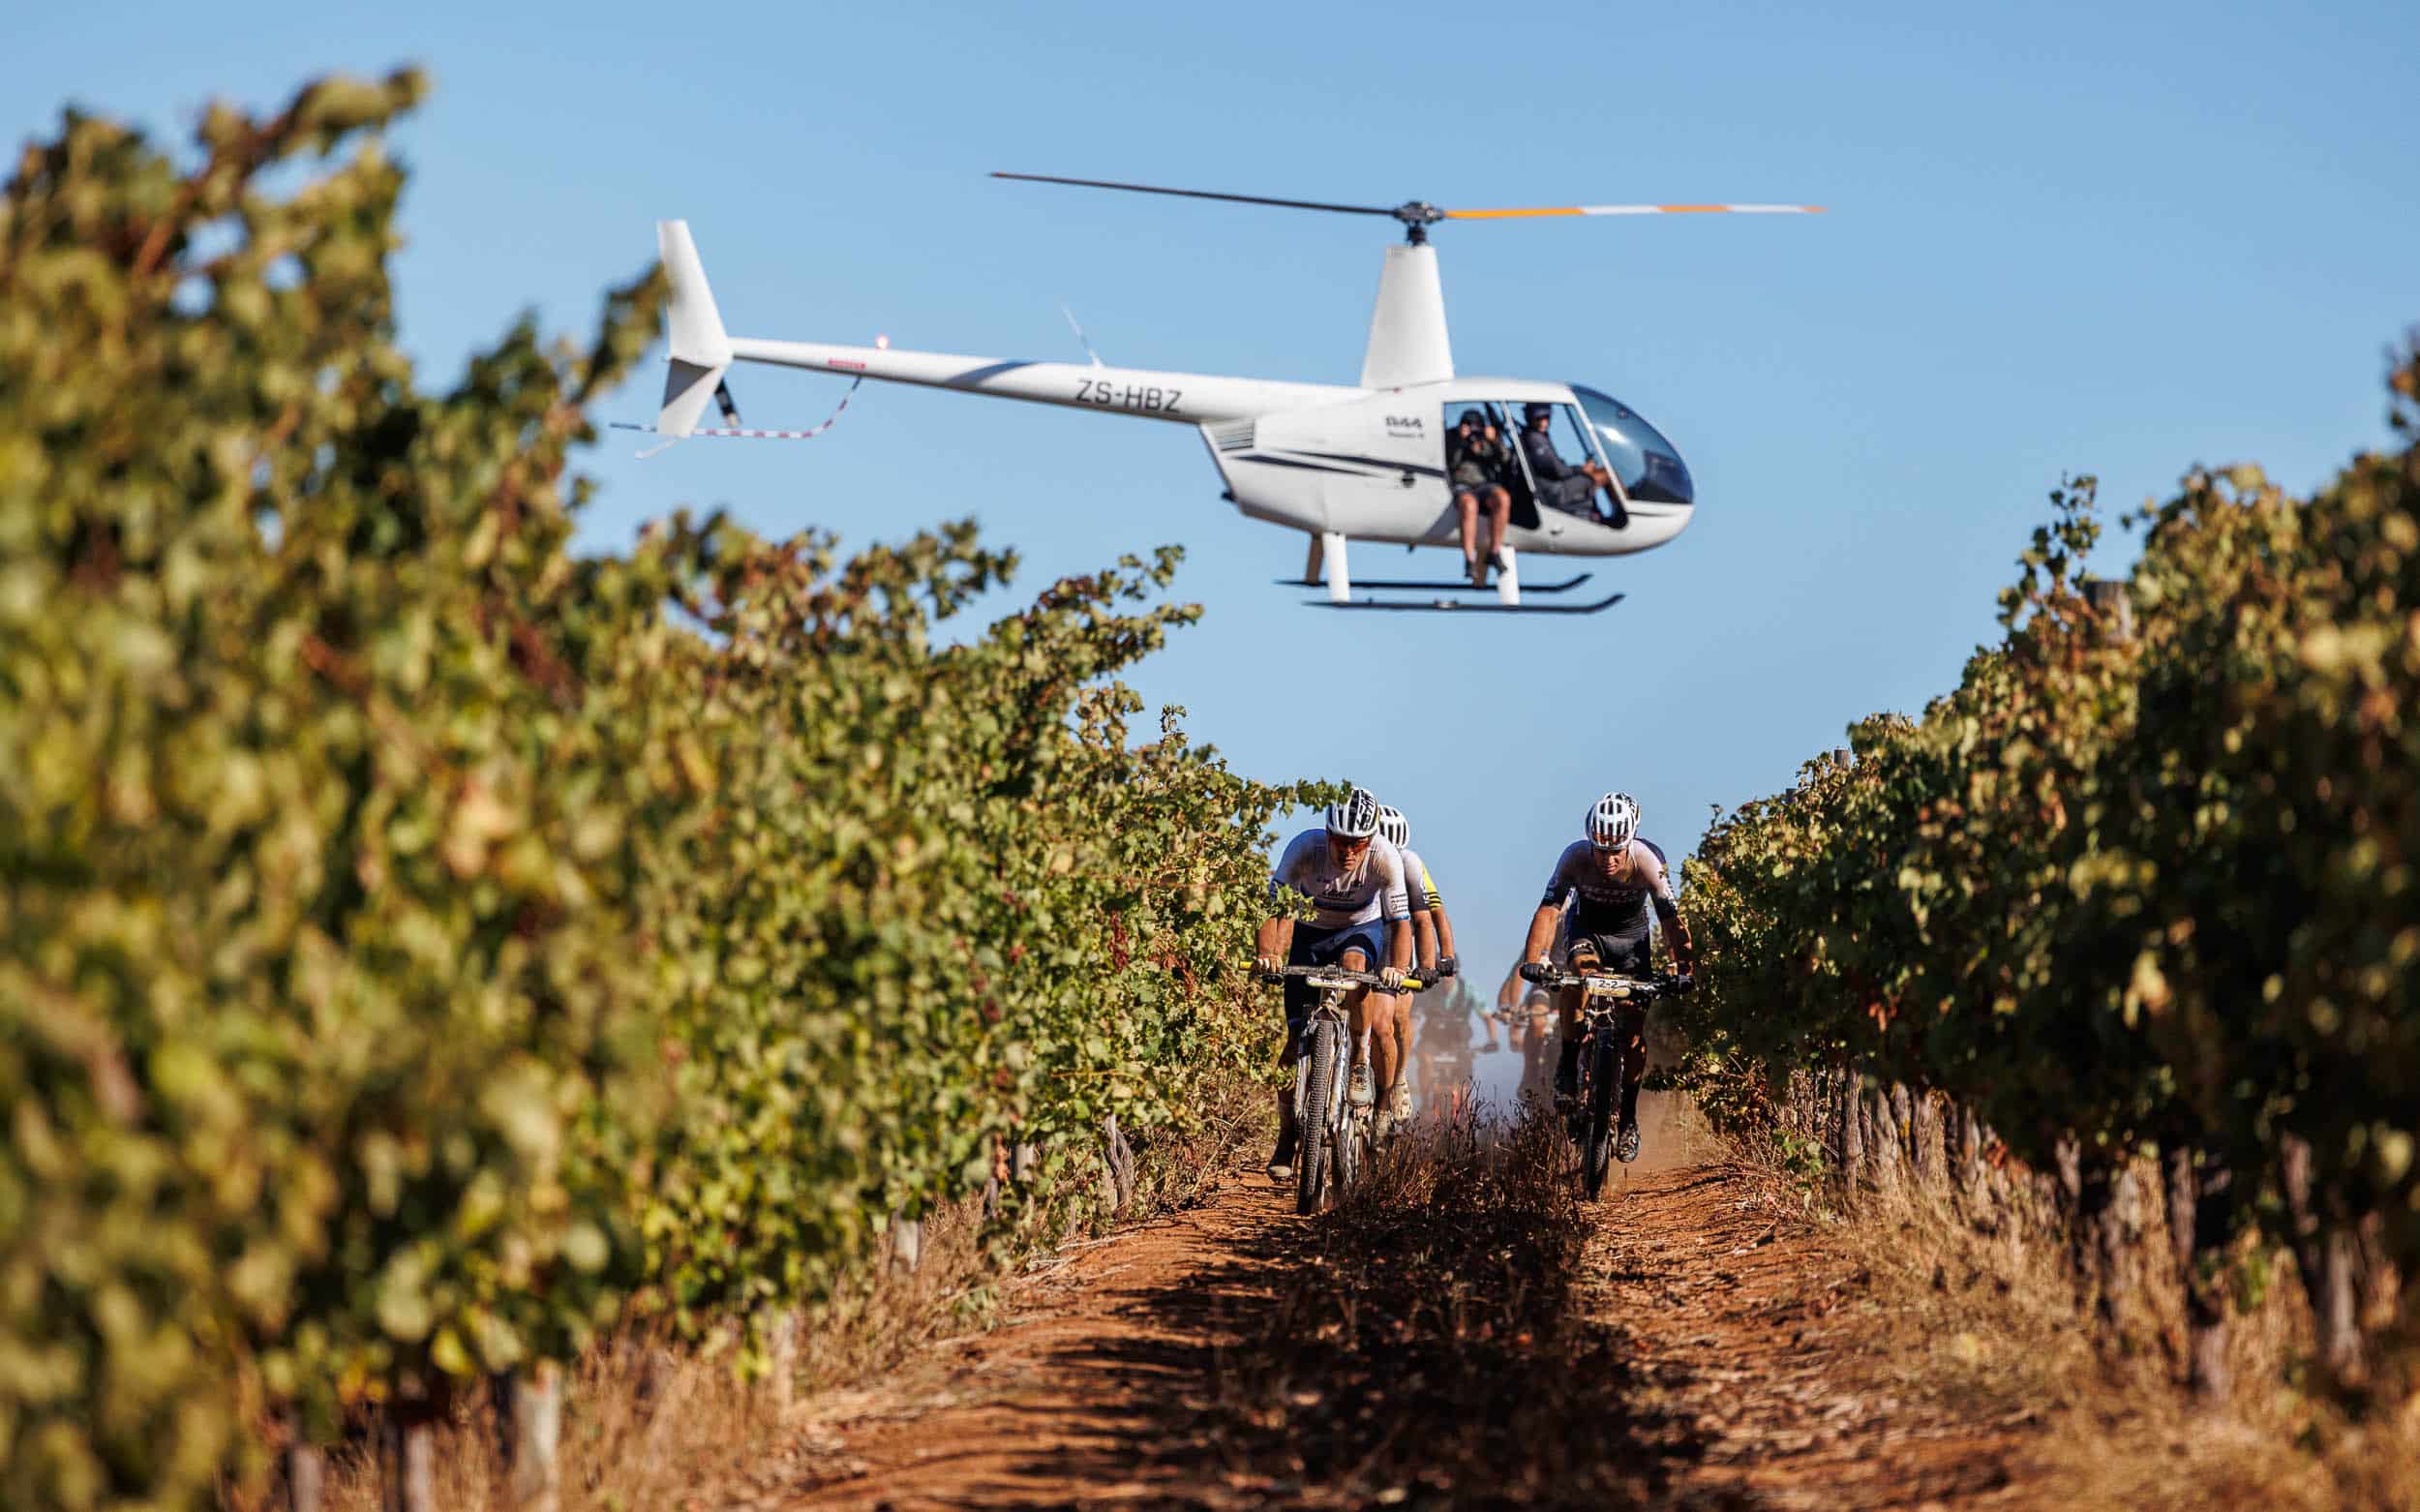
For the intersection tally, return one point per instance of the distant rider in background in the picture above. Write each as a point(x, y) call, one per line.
point(1360, 921)
point(1434, 942)
point(1618, 893)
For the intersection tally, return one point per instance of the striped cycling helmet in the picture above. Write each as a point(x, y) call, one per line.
point(1614, 822)
point(1394, 827)
point(1356, 818)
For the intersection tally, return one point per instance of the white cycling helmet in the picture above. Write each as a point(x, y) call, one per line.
point(1356, 818)
point(1614, 822)
point(1394, 826)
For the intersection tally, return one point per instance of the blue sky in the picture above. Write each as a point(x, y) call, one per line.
point(2064, 238)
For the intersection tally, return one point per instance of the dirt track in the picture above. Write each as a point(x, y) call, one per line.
point(1737, 1386)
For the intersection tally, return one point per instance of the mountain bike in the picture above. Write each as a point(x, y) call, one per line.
point(1333, 1137)
point(1612, 1010)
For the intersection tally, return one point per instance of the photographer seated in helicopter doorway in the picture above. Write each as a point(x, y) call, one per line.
point(1475, 460)
point(1560, 484)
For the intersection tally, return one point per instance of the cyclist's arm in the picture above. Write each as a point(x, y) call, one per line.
point(1541, 932)
point(1275, 941)
point(1399, 944)
point(1424, 939)
point(1436, 909)
point(1676, 933)
point(1668, 915)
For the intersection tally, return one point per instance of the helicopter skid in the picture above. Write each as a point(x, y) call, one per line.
point(1466, 606)
point(1441, 584)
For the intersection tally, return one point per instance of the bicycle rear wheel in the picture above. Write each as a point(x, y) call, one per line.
point(1352, 1152)
point(1310, 1172)
point(1598, 1149)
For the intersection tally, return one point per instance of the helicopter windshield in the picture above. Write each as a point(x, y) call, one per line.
point(1648, 466)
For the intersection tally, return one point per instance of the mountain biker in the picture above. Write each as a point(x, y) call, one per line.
point(1617, 892)
point(1360, 921)
point(1433, 939)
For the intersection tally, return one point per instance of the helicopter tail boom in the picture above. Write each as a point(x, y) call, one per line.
point(701, 348)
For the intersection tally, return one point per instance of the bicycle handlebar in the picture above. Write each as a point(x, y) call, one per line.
point(1665, 984)
point(1367, 979)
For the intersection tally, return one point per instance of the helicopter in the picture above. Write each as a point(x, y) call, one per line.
point(1338, 463)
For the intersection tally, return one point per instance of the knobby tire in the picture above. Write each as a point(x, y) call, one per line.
point(1310, 1173)
point(1597, 1150)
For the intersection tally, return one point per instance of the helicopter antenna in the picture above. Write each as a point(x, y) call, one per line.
point(1081, 339)
point(1417, 215)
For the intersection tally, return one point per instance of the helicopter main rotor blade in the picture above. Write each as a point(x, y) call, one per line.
point(1200, 193)
point(1525, 213)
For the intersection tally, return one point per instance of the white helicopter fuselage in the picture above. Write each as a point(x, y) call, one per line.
point(1341, 463)
point(1316, 457)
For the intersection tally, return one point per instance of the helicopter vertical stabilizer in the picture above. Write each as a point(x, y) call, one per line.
point(1408, 341)
point(701, 349)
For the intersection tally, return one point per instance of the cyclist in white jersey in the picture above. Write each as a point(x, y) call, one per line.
point(1360, 921)
point(1615, 890)
point(1432, 941)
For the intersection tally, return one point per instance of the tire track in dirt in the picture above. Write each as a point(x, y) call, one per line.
point(1738, 1374)
point(1744, 1327)
point(1080, 1394)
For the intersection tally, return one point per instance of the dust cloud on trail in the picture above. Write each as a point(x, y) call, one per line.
point(1497, 1062)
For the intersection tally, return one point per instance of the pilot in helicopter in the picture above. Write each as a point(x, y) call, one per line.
point(1562, 484)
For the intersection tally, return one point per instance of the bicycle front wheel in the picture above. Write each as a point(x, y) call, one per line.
point(1596, 1150)
point(1324, 1038)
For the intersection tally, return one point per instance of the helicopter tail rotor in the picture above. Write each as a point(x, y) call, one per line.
point(701, 348)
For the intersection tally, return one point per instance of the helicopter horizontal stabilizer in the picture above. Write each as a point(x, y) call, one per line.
point(1448, 585)
point(1464, 606)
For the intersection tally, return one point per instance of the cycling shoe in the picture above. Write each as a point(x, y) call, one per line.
point(1626, 1142)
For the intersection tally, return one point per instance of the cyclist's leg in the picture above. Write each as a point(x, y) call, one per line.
point(1358, 1016)
point(1399, 1089)
point(1582, 955)
point(1631, 960)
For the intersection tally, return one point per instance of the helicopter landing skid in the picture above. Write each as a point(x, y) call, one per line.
point(1466, 606)
point(1454, 585)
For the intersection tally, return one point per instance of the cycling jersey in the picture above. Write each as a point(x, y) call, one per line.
point(1615, 904)
point(1373, 890)
point(1419, 888)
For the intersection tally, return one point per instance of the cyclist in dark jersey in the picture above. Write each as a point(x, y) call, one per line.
point(1618, 892)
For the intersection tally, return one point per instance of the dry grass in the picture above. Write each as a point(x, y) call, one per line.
point(1424, 1344)
point(1994, 1324)
point(649, 1423)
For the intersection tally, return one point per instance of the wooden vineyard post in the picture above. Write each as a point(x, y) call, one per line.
point(409, 1461)
point(2109, 601)
point(1119, 1157)
point(2198, 1222)
point(781, 1347)
point(306, 1469)
point(906, 1241)
point(1851, 1123)
point(530, 1419)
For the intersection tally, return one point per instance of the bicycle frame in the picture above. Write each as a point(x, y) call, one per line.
point(1607, 999)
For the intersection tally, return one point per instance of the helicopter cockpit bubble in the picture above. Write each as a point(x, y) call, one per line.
point(1648, 466)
